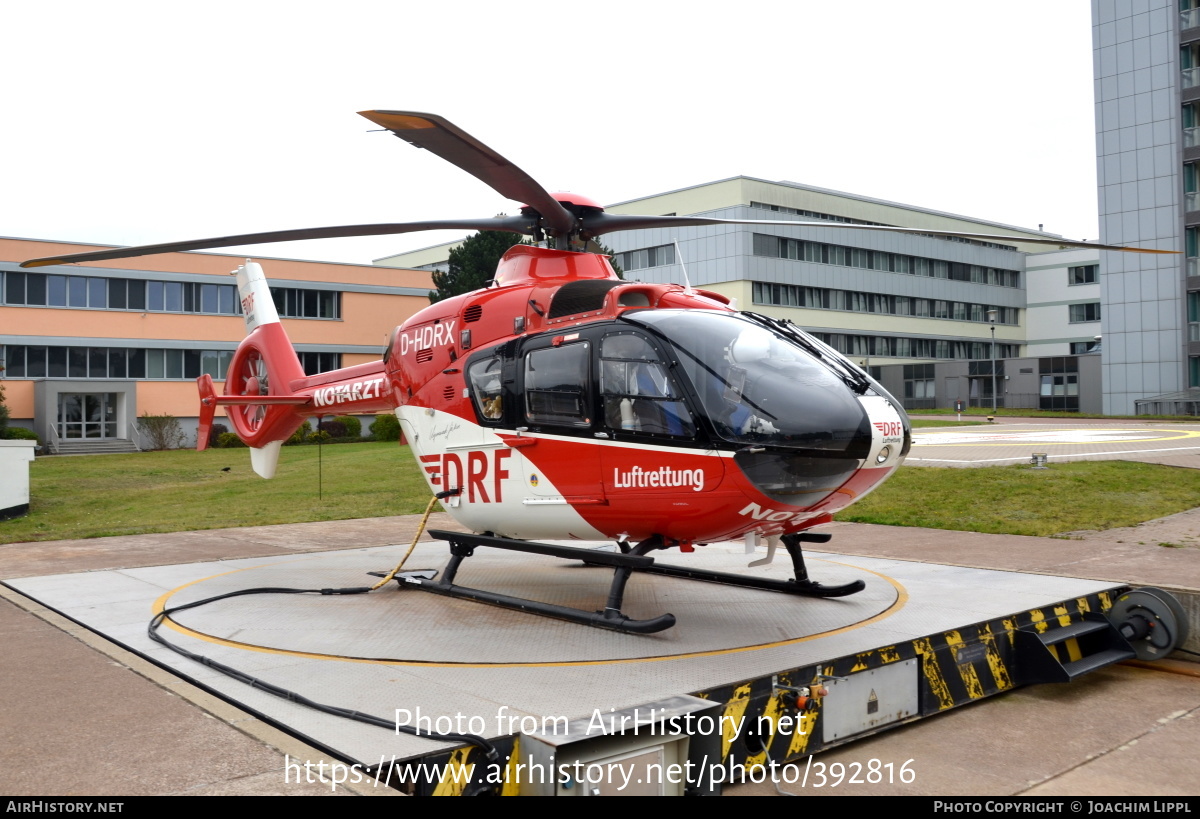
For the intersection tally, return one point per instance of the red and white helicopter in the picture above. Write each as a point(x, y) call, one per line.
point(561, 402)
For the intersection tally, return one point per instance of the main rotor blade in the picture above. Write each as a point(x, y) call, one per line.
point(456, 146)
point(508, 224)
point(597, 224)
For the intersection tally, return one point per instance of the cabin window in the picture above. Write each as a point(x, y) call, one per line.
point(556, 385)
point(637, 391)
point(487, 389)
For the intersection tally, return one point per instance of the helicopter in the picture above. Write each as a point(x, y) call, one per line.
point(561, 402)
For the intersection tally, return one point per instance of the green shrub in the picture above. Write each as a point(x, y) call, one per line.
point(300, 435)
point(19, 434)
point(386, 428)
point(353, 425)
point(318, 436)
point(214, 434)
point(228, 440)
point(161, 431)
point(335, 428)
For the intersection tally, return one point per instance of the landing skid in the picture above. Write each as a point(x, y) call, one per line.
point(800, 585)
point(629, 560)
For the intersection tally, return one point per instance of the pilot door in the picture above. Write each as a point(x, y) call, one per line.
point(657, 448)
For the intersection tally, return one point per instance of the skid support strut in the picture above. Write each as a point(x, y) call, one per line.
point(464, 545)
point(799, 585)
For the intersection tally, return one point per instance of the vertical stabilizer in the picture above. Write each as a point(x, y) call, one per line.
point(258, 308)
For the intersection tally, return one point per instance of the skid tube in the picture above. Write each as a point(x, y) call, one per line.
point(463, 545)
point(628, 560)
point(800, 585)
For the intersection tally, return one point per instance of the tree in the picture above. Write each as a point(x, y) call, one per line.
point(473, 263)
point(605, 250)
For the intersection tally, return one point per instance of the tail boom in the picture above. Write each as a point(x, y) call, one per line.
point(267, 394)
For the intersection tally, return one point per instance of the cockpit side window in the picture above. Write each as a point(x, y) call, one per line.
point(487, 388)
point(557, 385)
point(637, 390)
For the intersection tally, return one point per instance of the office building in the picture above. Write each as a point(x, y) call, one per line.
point(89, 348)
point(1147, 81)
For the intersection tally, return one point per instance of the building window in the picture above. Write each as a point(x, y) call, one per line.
point(1082, 347)
point(102, 293)
point(919, 386)
point(778, 247)
point(37, 361)
point(793, 295)
point(846, 219)
point(92, 363)
point(295, 302)
point(1059, 383)
point(1085, 274)
point(1085, 312)
point(646, 257)
point(908, 347)
point(315, 363)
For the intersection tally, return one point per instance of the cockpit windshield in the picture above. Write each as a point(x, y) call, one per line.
point(758, 386)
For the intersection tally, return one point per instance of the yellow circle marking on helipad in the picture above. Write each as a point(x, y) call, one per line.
point(1052, 437)
point(896, 605)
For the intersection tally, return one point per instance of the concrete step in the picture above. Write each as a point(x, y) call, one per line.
point(106, 446)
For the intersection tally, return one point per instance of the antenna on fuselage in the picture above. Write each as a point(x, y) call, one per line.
point(687, 284)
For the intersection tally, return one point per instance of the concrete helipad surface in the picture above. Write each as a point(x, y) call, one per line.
point(408, 649)
point(1015, 440)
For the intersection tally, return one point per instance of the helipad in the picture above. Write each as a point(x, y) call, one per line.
point(927, 637)
point(1176, 444)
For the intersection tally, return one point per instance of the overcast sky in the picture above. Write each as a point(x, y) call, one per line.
point(131, 122)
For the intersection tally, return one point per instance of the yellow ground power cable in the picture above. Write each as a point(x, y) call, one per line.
point(411, 546)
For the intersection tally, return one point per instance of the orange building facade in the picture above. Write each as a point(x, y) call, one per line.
point(88, 348)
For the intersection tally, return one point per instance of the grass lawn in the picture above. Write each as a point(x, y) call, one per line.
point(99, 495)
point(1020, 500)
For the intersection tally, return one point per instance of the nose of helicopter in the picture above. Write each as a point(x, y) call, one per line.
point(842, 440)
point(848, 434)
point(801, 418)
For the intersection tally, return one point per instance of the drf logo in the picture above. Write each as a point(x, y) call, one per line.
point(448, 472)
point(248, 304)
point(890, 429)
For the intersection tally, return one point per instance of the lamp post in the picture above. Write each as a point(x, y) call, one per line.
point(991, 317)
